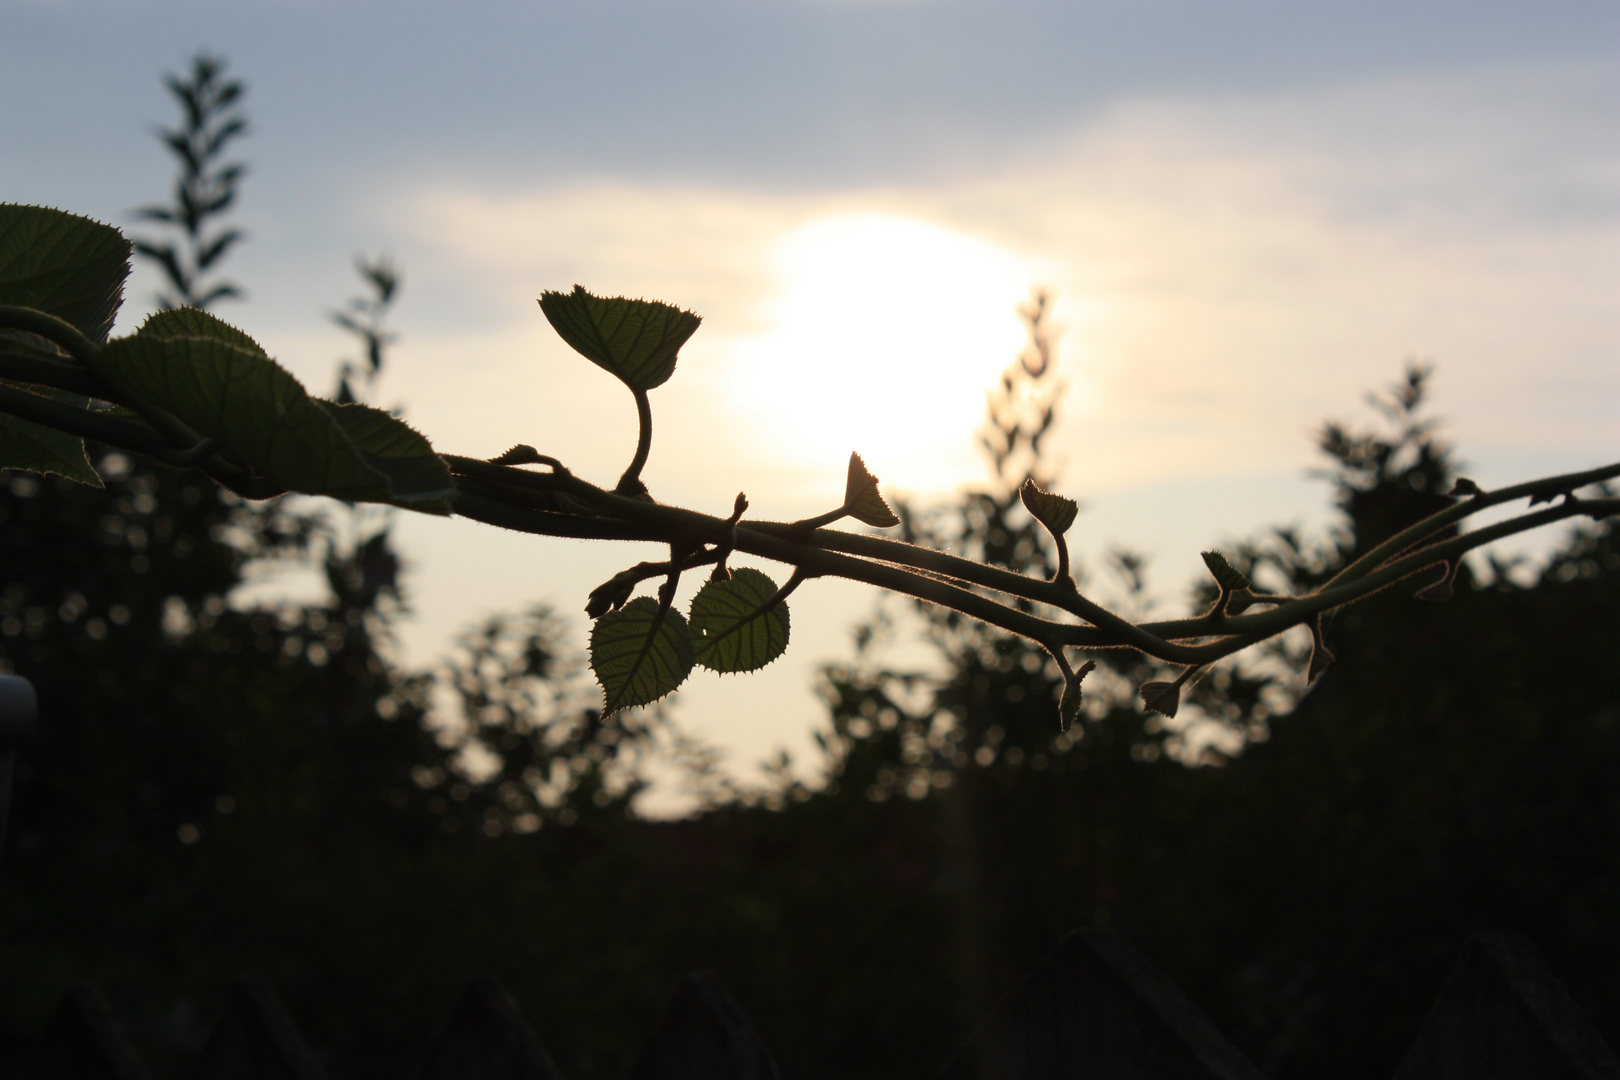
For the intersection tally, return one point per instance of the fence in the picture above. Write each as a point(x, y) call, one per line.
point(1095, 1009)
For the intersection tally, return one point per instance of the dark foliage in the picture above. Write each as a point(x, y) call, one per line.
point(217, 791)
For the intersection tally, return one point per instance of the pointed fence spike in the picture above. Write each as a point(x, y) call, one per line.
point(703, 1035)
point(82, 1042)
point(1097, 1008)
point(486, 1038)
point(1502, 1015)
point(255, 1040)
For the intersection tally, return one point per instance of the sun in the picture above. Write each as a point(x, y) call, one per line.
point(884, 336)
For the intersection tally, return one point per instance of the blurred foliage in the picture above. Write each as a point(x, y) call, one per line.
point(205, 186)
point(216, 791)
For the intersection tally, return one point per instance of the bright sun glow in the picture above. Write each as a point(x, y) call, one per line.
point(884, 338)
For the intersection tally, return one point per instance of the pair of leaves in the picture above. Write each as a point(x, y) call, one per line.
point(639, 655)
point(636, 340)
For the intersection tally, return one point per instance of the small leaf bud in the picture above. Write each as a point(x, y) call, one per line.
point(1441, 589)
point(521, 454)
point(862, 500)
point(1069, 705)
point(1226, 575)
point(1053, 511)
point(1163, 698)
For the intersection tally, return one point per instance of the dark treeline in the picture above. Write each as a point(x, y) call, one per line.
point(216, 791)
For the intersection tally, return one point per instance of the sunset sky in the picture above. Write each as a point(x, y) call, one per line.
point(1250, 213)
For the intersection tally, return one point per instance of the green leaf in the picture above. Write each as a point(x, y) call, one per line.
point(1069, 704)
point(1226, 575)
point(733, 631)
point(1161, 697)
point(1054, 511)
point(638, 657)
point(191, 322)
point(862, 500)
point(262, 415)
point(418, 477)
point(636, 340)
point(63, 264)
point(37, 448)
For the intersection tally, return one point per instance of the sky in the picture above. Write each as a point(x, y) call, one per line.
point(1249, 213)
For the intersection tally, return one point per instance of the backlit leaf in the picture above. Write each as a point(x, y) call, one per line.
point(862, 500)
point(1163, 698)
point(730, 631)
point(418, 477)
point(260, 413)
point(36, 448)
point(1069, 704)
point(638, 657)
point(63, 264)
point(1054, 511)
point(636, 340)
point(192, 322)
point(1226, 575)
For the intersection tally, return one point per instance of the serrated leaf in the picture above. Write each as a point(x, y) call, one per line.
point(37, 448)
point(862, 500)
point(417, 476)
point(63, 264)
point(521, 454)
point(192, 322)
point(1163, 698)
point(257, 410)
point(1054, 511)
point(730, 631)
point(637, 657)
point(636, 340)
point(1226, 575)
point(1069, 704)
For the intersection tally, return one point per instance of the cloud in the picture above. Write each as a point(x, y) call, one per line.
point(1230, 270)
